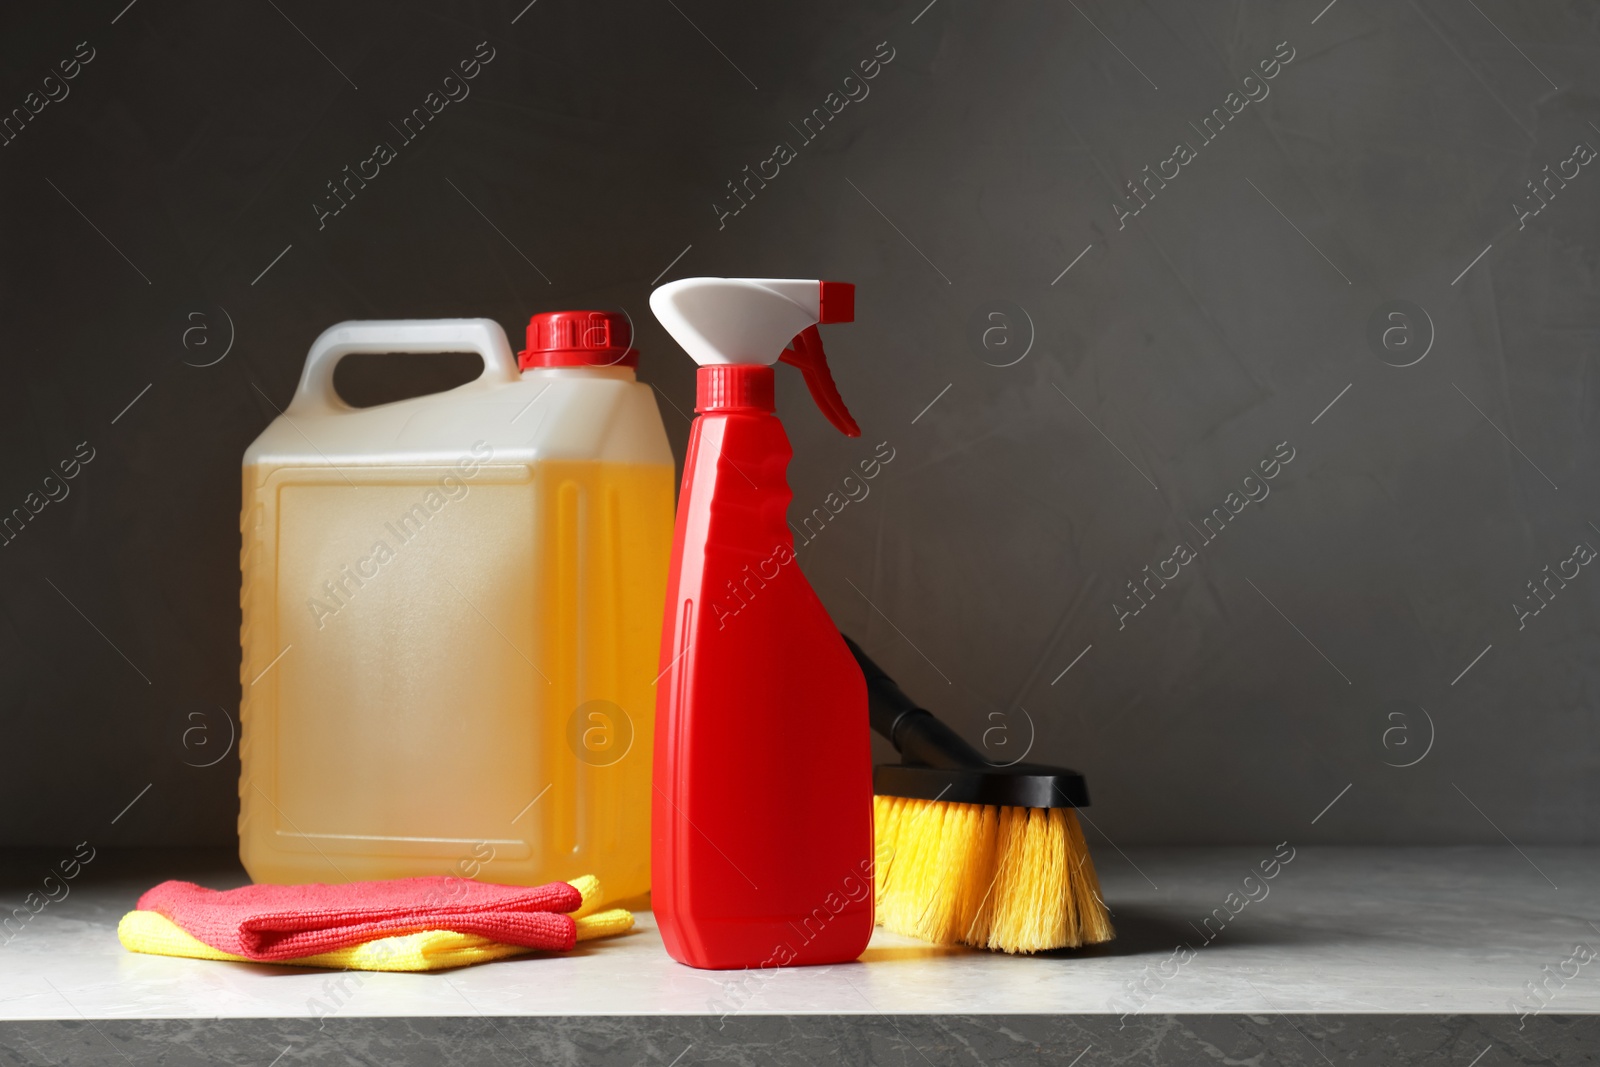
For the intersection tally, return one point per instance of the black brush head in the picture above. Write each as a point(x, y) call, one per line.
point(1022, 785)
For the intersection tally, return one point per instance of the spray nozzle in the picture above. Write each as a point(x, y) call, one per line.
point(750, 321)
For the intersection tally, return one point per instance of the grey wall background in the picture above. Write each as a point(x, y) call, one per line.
point(1360, 617)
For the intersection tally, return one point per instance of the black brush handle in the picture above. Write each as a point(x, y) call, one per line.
point(919, 737)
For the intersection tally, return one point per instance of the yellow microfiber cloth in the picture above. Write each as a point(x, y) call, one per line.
point(427, 950)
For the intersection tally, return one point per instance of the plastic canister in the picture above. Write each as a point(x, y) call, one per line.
point(451, 614)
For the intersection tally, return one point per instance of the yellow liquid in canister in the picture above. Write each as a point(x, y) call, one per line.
point(450, 672)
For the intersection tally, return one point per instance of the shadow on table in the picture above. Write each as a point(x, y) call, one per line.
point(1153, 931)
point(1141, 931)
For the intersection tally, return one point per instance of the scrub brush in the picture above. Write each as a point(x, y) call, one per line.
point(969, 852)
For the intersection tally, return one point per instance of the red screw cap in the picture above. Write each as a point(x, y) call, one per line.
point(579, 339)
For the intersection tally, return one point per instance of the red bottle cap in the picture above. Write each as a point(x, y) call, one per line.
point(733, 387)
point(579, 339)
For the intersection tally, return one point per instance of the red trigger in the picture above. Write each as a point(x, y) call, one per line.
point(805, 352)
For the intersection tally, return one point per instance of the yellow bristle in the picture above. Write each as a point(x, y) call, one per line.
point(915, 886)
point(974, 896)
point(1012, 879)
point(1031, 892)
point(1094, 920)
point(886, 812)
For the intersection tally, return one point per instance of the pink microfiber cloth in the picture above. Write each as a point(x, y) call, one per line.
point(281, 922)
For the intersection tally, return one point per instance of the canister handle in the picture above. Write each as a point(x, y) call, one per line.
point(316, 395)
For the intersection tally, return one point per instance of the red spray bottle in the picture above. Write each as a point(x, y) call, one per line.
point(761, 817)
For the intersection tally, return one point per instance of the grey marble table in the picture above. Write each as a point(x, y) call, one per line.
point(1345, 952)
